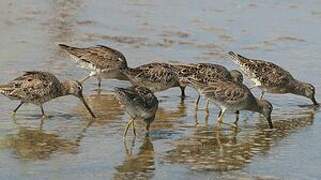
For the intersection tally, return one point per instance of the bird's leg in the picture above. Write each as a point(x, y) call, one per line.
point(206, 107)
point(43, 112)
point(127, 126)
point(219, 113)
point(220, 117)
point(15, 110)
point(134, 130)
point(262, 94)
point(99, 81)
point(206, 119)
point(84, 79)
point(197, 101)
point(183, 91)
point(147, 128)
point(41, 124)
point(196, 119)
point(87, 77)
point(237, 113)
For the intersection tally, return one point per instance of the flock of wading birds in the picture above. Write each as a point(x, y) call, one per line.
point(219, 85)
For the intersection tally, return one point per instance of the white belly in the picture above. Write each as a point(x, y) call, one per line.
point(256, 82)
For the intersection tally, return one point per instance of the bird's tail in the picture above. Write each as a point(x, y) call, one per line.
point(6, 89)
point(64, 46)
point(238, 59)
point(71, 50)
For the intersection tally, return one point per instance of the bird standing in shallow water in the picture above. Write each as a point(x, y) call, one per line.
point(102, 61)
point(154, 76)
point(205, 72)
point(38, 87)
point(230, 96)
point(140, 103)
point(270, 77)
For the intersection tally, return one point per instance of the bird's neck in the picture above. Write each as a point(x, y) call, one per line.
point(297, 87)
point(64, 88)
point(256, 106)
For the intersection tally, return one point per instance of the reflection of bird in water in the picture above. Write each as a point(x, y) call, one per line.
point(140, 165)
point(40, 87)
point(106, 107)
point(140, 103)
point(167, 117)
point(34, 144)
point(270, 77)
point(223, 150)
point(101, 61)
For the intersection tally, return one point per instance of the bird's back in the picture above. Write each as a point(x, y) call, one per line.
point(139, 101)
point(154, 76)
point(265, 74)
point(98, 57)
point(228, 94)
point(32, 87)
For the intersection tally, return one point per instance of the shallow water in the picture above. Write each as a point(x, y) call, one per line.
point(183, 144)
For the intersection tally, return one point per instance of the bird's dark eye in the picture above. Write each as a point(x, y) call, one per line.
point(79, 87)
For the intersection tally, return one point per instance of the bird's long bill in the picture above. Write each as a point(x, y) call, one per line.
point(315, 103)
point(270, 122)
point(81, 97)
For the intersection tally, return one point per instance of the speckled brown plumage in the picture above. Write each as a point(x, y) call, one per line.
point(140, 103)
point(102, 61)
point(205, 72)
point(272, 78)
point(230, 96)
point(208, 70)
point(154, 76)
point(38, 87)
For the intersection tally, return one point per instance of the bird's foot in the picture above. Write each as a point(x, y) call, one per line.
point(44, 116)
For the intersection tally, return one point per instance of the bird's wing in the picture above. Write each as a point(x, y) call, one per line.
point(155, 72)
point(268, 73)
point(101, 57)
point(226, 92)
point(31, 85)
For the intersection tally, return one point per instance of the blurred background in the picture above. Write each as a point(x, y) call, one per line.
point(183, 143)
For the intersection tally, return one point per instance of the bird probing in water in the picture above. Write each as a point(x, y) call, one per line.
point(140, 103)
point(272, 78)
point(38, 87)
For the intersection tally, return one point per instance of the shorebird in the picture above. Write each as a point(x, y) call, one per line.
point(233, 97)
point(206, 72)
point(140, 103)
point(154, 76)
point(38, 87)
point(101, 61)
point(271, 78)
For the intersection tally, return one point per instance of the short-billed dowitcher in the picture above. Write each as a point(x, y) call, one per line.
point(154, 76)
point(140, 103)
point(206, 72)
point(101, 61)
point(271, 78)
point(38, 87)
point(233, 97)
